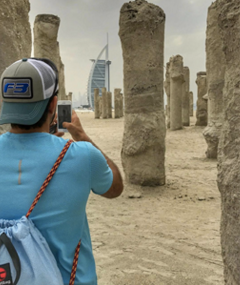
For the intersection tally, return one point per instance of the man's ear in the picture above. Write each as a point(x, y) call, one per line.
point(53, 105)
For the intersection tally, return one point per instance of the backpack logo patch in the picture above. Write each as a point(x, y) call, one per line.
point(5, 274)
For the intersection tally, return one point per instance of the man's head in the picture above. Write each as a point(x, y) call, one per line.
point(27, 88)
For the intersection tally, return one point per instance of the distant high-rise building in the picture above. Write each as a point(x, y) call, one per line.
point(99, 76)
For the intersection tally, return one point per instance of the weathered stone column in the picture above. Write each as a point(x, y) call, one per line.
point(185, 97)
point(121, 105)
point(229, 144)
point(205, 97)
point(96, 103)
point(46, 45)
point(100, 106)
point(104, 104)
point(142, 37)
point(69, 96)
point(191, 104)
point(117, 103)
point(15, 36)
point(176, 82)
point(167, 91)
point(215, 63)
point(201, 82)
point(109, 97)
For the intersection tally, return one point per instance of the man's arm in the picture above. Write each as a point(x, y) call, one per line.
point(78, 134)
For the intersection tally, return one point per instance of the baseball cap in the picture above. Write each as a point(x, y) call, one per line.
point(26, 87)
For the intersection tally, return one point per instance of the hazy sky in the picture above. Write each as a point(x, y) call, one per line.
point(85, 23)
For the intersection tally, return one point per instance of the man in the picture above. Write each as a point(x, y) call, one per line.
point(27, 154)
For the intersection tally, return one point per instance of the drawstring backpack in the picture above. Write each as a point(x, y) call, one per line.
point(25, 257)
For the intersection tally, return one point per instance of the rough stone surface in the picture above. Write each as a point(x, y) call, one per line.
point(176, 82)
point(215, 63)
point(167, 91)
point(104, 103)
point(229, 144)
point(191, 104)
point(96, 104)
point(202, 113)
point(143, 152)
point(100, 106)
point(46, 45)
point(205, 97)
point(15, 36)
point(185, 97)
point(117, 103)
point(121, 105)
point(109, 97)
point(69, 96)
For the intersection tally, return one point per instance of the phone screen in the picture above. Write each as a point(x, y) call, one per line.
point(64, 115)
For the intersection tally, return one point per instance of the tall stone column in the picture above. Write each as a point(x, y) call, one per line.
point(121, 105)
point(46, 45)
point(205, 97)
point(69, 96)
point(185, 97)
point(15, 36)
point(202, 116)
point(142, 37)
point(96, 104)
point(109, 97)
point(100, 106)
point(215, 63)
point(117, 103)
point(229, 144)
point(167, 91)
point(176, 82)
point(191, 104)
point(104, 104)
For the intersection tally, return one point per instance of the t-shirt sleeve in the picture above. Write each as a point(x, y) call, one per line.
point(101, 175)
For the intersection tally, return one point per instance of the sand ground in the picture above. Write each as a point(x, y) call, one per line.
point(171, 234)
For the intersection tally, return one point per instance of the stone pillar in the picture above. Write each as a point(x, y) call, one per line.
point(117, 103)
point(191, 104)
point(104, 103)
point(46, 45)
point(96, 104)
point(201, 103)
point(62, 91)
point(176, 82)
point(185, 97)
point(109, 97)
point(229, 144)
point(15, 36)
point(100, 106)
point(205, 97)
point(142, 37)
point(167, 91)
point(121, 105)
point(215, 63)
point(69, 97)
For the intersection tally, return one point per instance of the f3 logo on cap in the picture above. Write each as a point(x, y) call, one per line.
point(17, 88)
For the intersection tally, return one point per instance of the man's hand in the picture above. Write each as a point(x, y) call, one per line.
point(54, 123)
point(75, 129)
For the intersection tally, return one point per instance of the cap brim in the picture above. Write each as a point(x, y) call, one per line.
point(22, 113)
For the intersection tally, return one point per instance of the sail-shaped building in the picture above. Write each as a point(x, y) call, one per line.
point(99, 75)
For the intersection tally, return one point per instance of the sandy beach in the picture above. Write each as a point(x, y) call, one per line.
point(165, 235)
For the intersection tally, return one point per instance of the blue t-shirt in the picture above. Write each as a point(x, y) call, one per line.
point(60, 215)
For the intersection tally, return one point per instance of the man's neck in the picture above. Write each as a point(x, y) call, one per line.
point(43, 129)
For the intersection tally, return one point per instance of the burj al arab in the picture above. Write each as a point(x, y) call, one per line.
point(99, 75)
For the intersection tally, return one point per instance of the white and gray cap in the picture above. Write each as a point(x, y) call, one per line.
point(26, 87)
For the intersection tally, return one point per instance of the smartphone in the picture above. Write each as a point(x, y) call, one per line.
point(64, 112)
